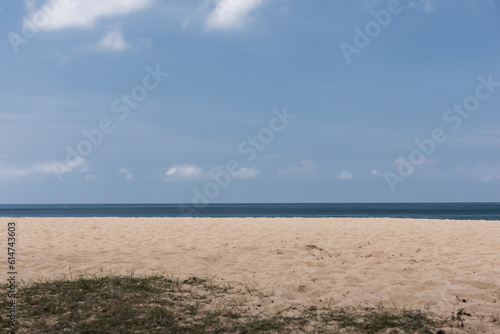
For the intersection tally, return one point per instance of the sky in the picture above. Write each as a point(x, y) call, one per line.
point(234, 101)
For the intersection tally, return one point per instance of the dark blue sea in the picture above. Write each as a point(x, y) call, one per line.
point(462, 211)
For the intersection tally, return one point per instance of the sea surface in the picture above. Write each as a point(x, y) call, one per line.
point(462, 211)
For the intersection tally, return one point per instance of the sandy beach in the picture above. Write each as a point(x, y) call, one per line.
point(445, 265)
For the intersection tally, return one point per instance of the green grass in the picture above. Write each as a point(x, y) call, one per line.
point(162, 304)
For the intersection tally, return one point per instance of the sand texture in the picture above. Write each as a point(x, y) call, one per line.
point(292, 261)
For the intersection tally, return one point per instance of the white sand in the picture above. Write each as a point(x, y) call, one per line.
point(302, 261)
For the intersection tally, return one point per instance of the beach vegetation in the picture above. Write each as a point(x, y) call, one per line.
point(166, 304)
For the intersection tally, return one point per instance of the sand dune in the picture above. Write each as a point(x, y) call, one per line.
point(350, 261)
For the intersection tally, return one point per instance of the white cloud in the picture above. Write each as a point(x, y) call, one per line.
point(128, 174)
point(79, 13)
point(242, 173)
point(306, 167)
point(113, 41)
point(42, 169)
point(179, 172)
point(12, 173)
point(229, 14)
point(246, 173)
point(345, 175)
point(189, 172)
point(375, 172)
point(90, 178)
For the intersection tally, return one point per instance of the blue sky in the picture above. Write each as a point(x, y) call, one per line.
point(143, 101)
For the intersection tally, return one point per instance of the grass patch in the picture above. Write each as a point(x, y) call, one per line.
point(161, 304)
point(379, 319)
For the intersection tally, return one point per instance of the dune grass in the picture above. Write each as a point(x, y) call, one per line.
point(163, 304)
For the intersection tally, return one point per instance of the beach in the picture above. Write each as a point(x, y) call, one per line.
point(442, 265)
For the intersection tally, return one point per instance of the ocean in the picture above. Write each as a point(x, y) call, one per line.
point(460, 211)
